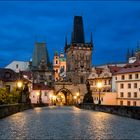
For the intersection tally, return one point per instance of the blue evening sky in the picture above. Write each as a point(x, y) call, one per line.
point(115, 27)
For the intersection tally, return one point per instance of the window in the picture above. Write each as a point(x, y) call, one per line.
point(116, 77)
point(81, 80)
point(134, 103)
point(135, 94)
point(128, 103)
point(122, 77)
point(56, 62)
point(105, 82)
point(16, 66)
point(135, 85)
point(121, 86)
point(136, 76)
point(130, 76)
point(121, 102)
point(121, 94)
point(129, 94)
point(129, 85)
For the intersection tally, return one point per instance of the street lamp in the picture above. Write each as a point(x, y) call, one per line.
point(99, 86)
point(37, 93)
point(75, 99)
point(19, 85)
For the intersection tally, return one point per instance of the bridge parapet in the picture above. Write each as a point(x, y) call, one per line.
point(126, 111)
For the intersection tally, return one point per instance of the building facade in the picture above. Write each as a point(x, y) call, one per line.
point(105, 76)
point(128, 85)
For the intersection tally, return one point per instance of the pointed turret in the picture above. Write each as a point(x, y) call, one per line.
point(66, 41)
point(78, 30)
point(91, 39)
point(132, 53)
point(40, 52)
point(128, 55)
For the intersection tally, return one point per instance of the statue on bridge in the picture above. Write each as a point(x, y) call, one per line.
point(88, 96)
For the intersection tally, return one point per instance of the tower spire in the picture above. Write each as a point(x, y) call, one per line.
point(91, 39)
point(78, 30)
point(132, 53)
point(66, 41)
point(128, 55)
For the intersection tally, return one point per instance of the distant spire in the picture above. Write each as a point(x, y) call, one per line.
point(128, 54)
point(91, 39)
point(132, 53)
point(66, 41)
point(78, 30)
point(138, 46)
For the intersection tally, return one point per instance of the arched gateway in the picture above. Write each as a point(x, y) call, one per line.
point(64, 97)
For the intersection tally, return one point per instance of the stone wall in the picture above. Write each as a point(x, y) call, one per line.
point(126, 111)
point(6, 110)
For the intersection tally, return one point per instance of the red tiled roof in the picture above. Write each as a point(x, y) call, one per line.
point(114, 69)
point(129, 70)
point(41, 87)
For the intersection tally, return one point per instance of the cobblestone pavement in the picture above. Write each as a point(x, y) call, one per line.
point(67, 123)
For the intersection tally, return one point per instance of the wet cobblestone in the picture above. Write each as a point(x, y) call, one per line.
point(68, 123)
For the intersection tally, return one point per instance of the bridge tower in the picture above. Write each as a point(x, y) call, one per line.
point(78, 54)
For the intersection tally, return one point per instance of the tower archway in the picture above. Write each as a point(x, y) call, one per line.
point(64, 97)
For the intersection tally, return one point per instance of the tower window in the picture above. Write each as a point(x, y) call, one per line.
point(81, 80)
point(56, 62)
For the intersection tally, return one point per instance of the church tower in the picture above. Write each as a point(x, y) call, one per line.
point(78, 54)
point(41, 67)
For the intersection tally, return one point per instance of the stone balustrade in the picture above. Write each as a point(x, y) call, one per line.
point(126, 111)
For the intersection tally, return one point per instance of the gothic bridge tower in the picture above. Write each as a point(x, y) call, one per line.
point(78, 54)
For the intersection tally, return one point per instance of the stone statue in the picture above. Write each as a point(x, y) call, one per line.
point(26, 94)
point(88, 96)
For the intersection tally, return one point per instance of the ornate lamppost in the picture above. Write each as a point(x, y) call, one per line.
point(99, 86)
point(20, 85)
